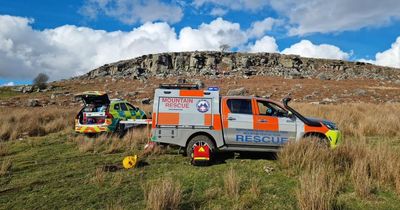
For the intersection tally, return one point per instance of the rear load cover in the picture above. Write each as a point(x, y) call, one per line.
point(94, 97)
point(185, 108)
point(189, 111)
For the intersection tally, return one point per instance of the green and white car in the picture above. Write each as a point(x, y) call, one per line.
point(101, 114)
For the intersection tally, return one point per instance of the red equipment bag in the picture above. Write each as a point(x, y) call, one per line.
point(201, 155)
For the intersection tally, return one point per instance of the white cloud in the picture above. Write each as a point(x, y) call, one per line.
point(389, 57)
point(8, 84)
point(210, 36)
point(252, 5)
point(218, 12)
point(266, 44)
point(306, 48)
point(69, 50)
point(259, 28)
point(339, 15)
point(325, 16)
point(133, 11)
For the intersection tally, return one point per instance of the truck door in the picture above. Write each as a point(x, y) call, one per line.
point(272, 126)
point(257, 123)
point(237, 120)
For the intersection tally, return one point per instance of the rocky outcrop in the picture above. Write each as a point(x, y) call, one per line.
point(217, 64)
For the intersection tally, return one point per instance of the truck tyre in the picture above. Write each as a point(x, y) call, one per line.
point(200, 140)
point(320, 139)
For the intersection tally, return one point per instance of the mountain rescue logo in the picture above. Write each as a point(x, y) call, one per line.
point(203, 106)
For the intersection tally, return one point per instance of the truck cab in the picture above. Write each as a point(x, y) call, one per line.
point(189, 117)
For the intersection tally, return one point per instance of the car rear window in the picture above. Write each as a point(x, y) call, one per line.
point(116, 106)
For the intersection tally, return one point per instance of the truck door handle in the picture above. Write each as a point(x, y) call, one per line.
point(263, 121)
point(231, 118)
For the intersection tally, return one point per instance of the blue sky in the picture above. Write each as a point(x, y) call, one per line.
point(68, 38)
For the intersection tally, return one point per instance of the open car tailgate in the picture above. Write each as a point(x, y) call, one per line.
point(93, 97)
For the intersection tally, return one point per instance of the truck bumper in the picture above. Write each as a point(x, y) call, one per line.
point(335, 137)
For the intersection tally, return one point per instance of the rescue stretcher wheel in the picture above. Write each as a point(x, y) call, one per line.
point(200, 140)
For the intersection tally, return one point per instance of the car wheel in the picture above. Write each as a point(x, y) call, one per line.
point(200, 140)
point(120, 130)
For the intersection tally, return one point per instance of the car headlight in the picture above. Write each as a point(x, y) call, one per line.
point(330, 125)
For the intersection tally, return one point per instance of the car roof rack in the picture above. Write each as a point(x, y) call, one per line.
point(180, 86)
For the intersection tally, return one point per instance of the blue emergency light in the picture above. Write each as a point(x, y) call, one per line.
point(213, 88)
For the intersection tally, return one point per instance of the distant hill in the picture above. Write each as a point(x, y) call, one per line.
point(234, 64)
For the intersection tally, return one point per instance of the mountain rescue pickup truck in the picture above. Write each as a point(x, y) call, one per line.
point(191, 118)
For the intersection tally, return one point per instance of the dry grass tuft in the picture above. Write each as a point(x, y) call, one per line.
point(212, 192)
point(135, 138)
point(21, 122)
point(110, 144)
point(318, 189)
point(98, 177)
point(255, 189)
point(358, 119)
point(115, 206)
point(85, 144)
point(232, 184)
point(397, 179)
point(163, 194)
point(361, 178)
point(367, 166)
point(5, 167)
point(303, 155)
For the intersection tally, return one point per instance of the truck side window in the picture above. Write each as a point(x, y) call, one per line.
point(240, 106)
point(270, 109)
point(116, 107)
point(123, 107)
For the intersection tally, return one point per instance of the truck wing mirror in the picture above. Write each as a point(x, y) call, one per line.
point(285, 101)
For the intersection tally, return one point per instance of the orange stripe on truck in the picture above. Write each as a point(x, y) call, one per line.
point(207, 119)
point(217, 122)
point(168, 118)
point(191, 93)
point(265, 123)
point(225, 112)
point(153, 120)
point(323, 129)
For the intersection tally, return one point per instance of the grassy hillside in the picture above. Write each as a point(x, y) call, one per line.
point(60, 170)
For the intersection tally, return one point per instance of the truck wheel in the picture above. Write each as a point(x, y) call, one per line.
point(200, 140)
point(319, 139)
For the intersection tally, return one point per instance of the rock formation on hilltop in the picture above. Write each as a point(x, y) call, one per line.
point(234, 64)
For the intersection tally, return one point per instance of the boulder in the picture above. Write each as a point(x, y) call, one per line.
point(237, 92)
point(145, 101)
point(33, 102)
point(360, 92)
point(27, 89)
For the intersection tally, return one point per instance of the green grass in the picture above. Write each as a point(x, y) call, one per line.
point(6, 93)
point(50, 173)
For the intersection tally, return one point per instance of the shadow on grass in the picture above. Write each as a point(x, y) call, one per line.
point(221, 157)
point(257, 155)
